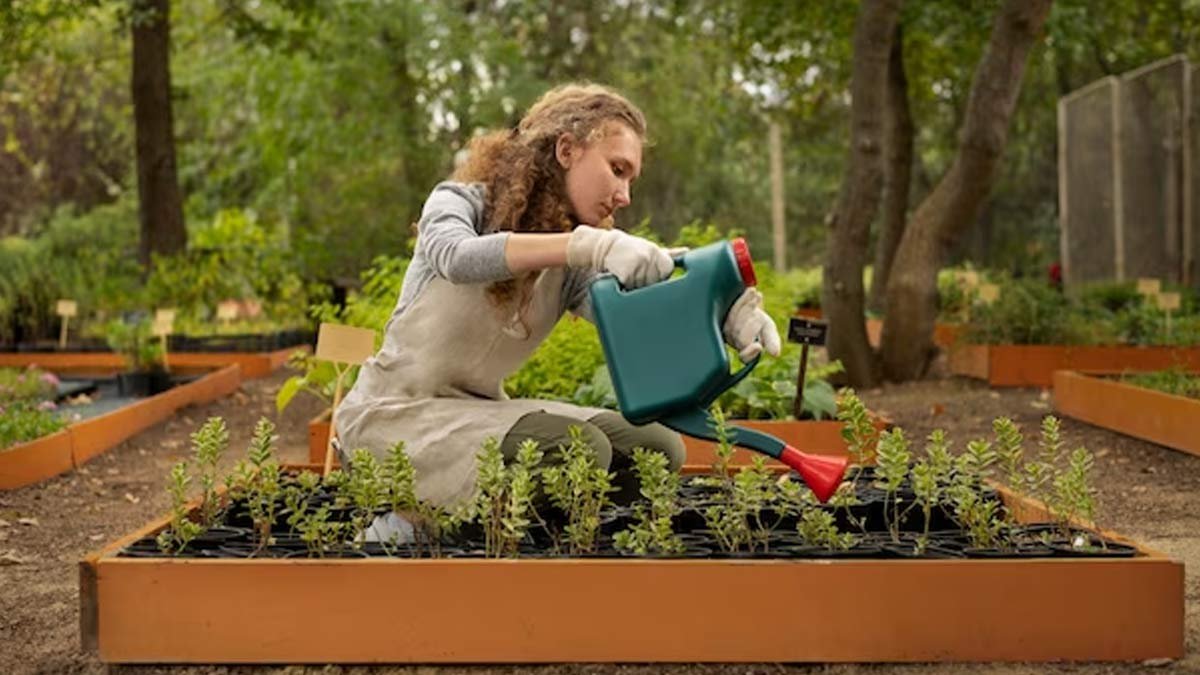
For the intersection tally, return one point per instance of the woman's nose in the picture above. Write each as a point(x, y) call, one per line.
point(621, 199)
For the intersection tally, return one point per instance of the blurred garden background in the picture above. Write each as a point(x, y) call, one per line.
point(276, 152)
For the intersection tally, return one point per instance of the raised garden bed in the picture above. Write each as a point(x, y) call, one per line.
point(253, 364)
point(823, 437)
point(1151, 415)
point(472, 610)
point(1034, 365)
point(37, 460)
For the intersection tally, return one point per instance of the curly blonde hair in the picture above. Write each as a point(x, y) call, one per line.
point(526, 186)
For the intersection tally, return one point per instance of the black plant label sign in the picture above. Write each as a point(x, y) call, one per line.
point(806, 331)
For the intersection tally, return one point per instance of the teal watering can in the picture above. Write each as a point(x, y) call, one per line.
point(668, 361)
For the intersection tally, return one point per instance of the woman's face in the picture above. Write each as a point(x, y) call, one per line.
point(600, 175)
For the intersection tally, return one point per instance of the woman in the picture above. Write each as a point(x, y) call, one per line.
point(503, 250)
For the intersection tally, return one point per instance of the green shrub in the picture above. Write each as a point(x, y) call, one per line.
point(26, 384)
point(1175, 381)
point(24, 421)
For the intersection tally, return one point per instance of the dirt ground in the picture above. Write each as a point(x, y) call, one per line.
point(1147, 492)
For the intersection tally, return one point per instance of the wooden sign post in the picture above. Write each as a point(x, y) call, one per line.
point(227, 311)
point(1149, 287)
point(1168, 302)
point(989, 293)
point(164, 325)
point(804, 332)
point(344, 346)
point(65, 309)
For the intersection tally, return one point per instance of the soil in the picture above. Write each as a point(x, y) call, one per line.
point(1146, 492)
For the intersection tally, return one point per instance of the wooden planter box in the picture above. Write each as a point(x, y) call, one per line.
point(318, 435)
point(1136, 411)
point(46, 457)
point(253, 364)
point(822, 438)
point(1034, 365)
point(141, 610)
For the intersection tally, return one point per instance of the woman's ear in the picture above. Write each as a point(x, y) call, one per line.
point(566, 148)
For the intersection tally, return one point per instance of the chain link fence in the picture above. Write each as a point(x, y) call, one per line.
point(1127, 148)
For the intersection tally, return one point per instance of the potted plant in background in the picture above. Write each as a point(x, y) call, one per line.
point(143, 354)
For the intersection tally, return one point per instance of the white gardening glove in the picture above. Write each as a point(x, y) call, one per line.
point(749, 329)
point(636, 262)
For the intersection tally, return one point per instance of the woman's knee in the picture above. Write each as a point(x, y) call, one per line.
point(553, 432)
point(625, 437)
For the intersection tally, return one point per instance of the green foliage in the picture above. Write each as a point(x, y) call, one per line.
point(769, 392)
point(182, 529)
point(317, 378)
point(1032, 312)
point(893, 458)
point(258, 480)
point(134, 341)
point(566, 361)
point(371, 305)
point(857, 428)
point(209, 443)
point(1175, 381)
point(235, 257)
point(504, 495)
point(580, 488)
point(22, 421)
point(818, 528)
point(652, 532)
point(26, 384)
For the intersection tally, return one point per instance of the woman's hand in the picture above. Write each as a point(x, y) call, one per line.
point(749, 329)
point(634, 261)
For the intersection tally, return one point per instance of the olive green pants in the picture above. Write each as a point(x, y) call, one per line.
point(609, 435)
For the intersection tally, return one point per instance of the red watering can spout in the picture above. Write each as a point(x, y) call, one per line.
point(822, 473)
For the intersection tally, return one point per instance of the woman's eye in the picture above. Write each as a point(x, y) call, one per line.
point(617, 170)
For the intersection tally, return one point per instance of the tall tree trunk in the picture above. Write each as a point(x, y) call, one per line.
point(954, 204)
point(850, 224)
point(160, 205)
point(897, 173)
point(778, 224)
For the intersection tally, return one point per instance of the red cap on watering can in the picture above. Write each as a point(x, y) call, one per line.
point(741, 253)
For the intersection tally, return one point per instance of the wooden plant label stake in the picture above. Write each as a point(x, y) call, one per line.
point(989, 293)
point(341, 345)
point(804, 332)
point(163, 326)
point(227, 311)
point(970, 278)
point(1147, 286)
point(65, 309)
point(1168, 302)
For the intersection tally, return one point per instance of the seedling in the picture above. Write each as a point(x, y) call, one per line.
point(258, 481)
point(580, 488)
point(365, 490)
point(505, 496)
point(182, 529)
point(892, 470)
point(817, 528)
point(652, 532)
point(209, 443)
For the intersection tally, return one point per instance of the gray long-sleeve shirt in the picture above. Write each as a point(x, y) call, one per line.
point(451, 245)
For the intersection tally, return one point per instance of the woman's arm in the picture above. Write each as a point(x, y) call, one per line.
point(527, 251)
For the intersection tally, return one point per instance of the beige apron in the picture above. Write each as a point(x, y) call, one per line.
point(437, 382)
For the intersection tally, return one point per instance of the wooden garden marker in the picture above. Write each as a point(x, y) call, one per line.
point(164, 325)
point(989, 293)
point(227, 311)
point(970, 278)
point(1168, 302)
point(805, 332)
point(1148, 287)
point(66, 309)
point(341, 345)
